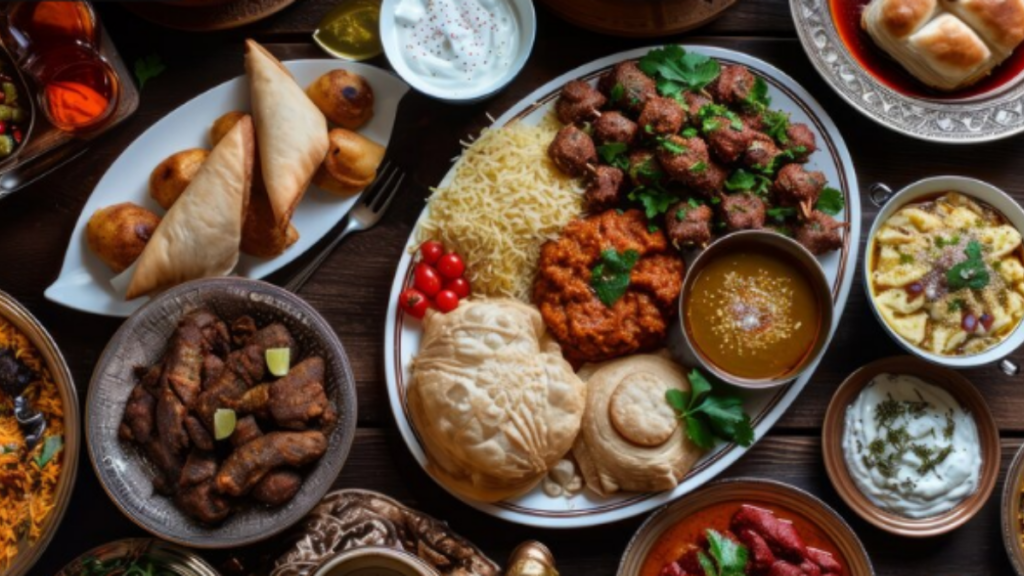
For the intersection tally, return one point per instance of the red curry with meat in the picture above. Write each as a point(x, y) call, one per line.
point(625, 310)
point(749, 538)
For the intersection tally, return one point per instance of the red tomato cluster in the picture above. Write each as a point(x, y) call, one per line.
point(437, 280)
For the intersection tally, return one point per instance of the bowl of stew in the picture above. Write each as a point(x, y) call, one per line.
point(766, 521)
point(756, 309)
point(944, 271)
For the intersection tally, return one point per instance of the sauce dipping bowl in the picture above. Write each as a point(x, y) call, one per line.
point(1010, 510)
point(889, 202)
point(961, 389)
point(373, 561)
point(795, 253)
point(465, 93)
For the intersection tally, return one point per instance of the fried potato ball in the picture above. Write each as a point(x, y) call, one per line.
point(221, 126)
point(346, 99)
point(170, 177)
point(117, 234)
point(351, 163)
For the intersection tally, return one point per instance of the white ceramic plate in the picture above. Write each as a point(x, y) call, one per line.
point(402, 333)
point(84, 281)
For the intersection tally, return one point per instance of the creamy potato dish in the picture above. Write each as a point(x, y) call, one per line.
point(947, 275)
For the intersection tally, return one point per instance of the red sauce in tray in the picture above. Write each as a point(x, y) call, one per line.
point(846, 15)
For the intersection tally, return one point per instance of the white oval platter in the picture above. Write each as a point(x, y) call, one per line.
point(84, 281)
point(402, 333)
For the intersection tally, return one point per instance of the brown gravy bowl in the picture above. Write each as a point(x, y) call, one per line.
point(756, 309)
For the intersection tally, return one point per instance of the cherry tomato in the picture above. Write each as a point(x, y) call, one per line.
point(414, 302)
point(426, 279)
point(451, 265)
point(446, 301)
point(458, 285)
point(431, 251)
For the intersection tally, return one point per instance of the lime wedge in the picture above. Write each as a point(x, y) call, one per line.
point(223, 423)
point(279, 360)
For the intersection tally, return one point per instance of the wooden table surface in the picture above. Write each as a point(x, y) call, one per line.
point(352, 289)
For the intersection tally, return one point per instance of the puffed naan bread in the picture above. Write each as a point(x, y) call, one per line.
point(492, 399)
point(946, 44)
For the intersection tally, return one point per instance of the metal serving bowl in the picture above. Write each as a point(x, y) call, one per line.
point(375, 560)
point(1010, 510)
point(890, 202)
point(170, 557)
point(26, 323)
point(753, 490)
point(126, 474)
point(812, 271)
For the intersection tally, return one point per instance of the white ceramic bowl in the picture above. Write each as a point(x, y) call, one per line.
point(527, 29)
point(890, 202)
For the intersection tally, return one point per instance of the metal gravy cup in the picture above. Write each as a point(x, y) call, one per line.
point(889, 202)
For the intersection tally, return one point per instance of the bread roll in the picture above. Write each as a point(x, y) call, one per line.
point(492, 400)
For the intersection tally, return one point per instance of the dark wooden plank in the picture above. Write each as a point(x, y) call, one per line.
point(380, 462)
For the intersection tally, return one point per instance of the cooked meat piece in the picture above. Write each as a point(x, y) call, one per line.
point(605, 189)
point(762, 153)
point(761, 557)
point(167, 463)
point(644, 168)
point(275, 335)
point(256, 401)
point(200, 466)
point(216, 338)
point(249, 463)
point(249, 364)
point(614, 127)
point(246, 430)
point(727, 144)
point(203, 503)
point(184, 361)
point(809, 568)
point(198, 433)
point(299, 397)
point(781, 537)
point(15, 375)
point(827, 562)
point(672, 569)
point(678, 156)
point(820, 233)
point(753, 121)
point(783, 568)
point(733, 85)
point(708, 180)
point(801, 142)
point(694, 102)
point(137, 423)
point(742, 211)
point(170, 422)
point(242, 331)
point(329, 418)
point(688, 225)
point(150, 377)
point(578, 102)
point(277, 487)
point(627, 87)
point(212, 367)
point(225, 392)
point(571, 151)
point(661, 116)
point(795, 186)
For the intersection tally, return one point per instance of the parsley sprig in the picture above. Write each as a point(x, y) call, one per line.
point(610, 278)
point(709, 416)
point(148, 68)
point(971, 273)
point(675, 70)
point(730, 557)
point(655, 200)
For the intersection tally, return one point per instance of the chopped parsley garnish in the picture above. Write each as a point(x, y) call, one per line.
point(148, 68)
point(610, 278)
point(743, 181)
point(671, 146)
point(675, 70)
point(728, 557)
point(689, 132)
point(699, 167)
point(780, 213)
point(709, 416)
point(830, 201)
point(614, 154)
point(956, 305)
point(776, 124)
point(681, 213)
point(654, 199)
point(647, 169)
point(941, 242)
point(710, 114)
point(906, 259)
point(617, 92)
point(758, 99)
point(971, 273)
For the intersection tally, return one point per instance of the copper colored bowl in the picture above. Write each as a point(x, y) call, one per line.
point(1013, 530)
point(769, 492)
point(964, 392)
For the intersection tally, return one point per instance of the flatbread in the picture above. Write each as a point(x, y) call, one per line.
point(290, 130)
point(200, 234)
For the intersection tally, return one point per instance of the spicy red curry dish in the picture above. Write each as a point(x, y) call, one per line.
point(225, 418)
point(697, 146)
point(744, 538)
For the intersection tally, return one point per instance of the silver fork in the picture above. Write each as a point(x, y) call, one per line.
point(372, 204)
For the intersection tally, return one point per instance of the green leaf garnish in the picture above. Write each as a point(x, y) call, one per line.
point(830, 201)
point(743, 181)
point(51, 446)
point(614, 154)
point(617, 92)
point(675, 70)
point(148, 68)
point(689, 132)
point(781, 213)
point(970, 273)
point(710, 113)
point(708, 416)
point(758, 100)
point(654, 199)
point(776, 124)
point(730, 557)
point(699, 167)
point(671, 146)
point(610, 278)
